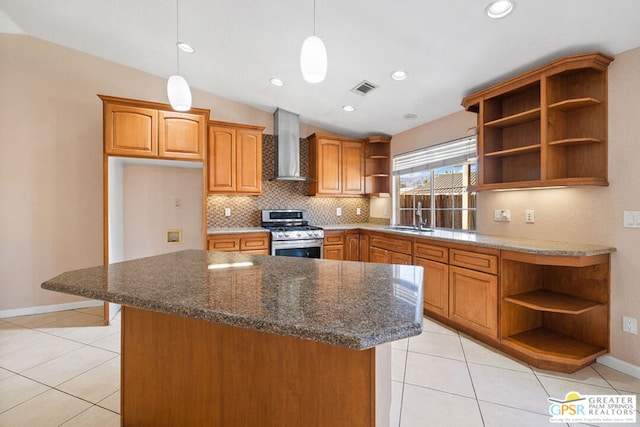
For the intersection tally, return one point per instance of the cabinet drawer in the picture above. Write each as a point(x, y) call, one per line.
point(252, 242)
point(432, 252)
point(398, 258)
point(391, 243)
point(333, 238)
point(226, 244)
point(475, 261)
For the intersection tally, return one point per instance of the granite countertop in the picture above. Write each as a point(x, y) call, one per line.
point(349, 304)
point(531, 246)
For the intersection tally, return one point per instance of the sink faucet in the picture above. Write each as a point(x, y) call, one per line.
point(419, 216)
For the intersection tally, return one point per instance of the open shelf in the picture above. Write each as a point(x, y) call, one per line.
point(379, 175)
point(575, 141)
point(377, 165)
point(574, 104)
point(377, 157)
point(554, 345)
point(515, 119)
point(544, 300)
point(514, 151)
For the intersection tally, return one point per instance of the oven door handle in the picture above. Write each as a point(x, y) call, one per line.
point(293, 244)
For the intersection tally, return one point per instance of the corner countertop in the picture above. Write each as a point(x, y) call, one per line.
point(349, 304)
point(530, 246)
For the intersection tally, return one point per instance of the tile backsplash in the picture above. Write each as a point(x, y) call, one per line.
point(245, 210)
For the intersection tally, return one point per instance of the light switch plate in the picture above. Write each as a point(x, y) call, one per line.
point(227, 211)
point(502, 215)
point(632, 219)
point(338, 211)
point(358, 211)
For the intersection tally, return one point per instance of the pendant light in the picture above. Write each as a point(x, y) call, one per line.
point(178, 90)
point(313, 56)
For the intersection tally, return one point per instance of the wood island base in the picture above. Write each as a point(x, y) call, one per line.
point(183, 371)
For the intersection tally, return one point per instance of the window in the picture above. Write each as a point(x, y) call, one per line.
point(432, 184)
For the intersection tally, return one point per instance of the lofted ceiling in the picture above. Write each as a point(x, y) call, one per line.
point(448, 48)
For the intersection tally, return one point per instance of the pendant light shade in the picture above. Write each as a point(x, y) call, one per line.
point(313, 59)
point(179, 93)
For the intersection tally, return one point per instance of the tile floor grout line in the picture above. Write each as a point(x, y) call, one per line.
point(466, 362)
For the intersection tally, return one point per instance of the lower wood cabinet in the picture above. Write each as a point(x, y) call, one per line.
point(436, 286)
point(352, 246)
point(253, 243)
point(333, 245)
point(473, 300)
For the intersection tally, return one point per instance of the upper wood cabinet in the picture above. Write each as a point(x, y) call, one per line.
point(234, 159)
point(377, 166)
point(547, 127)
point(146, 129)
point(336, 165)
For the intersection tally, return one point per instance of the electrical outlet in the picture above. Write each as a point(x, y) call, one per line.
point(358, 211)
point(630, 325)
point(502, 215)
point(529, 216)
point(632, 219)
point(338, 211)
point(178, 203)
point(227, 211)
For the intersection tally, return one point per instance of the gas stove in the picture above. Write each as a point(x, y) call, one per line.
point(291, 234)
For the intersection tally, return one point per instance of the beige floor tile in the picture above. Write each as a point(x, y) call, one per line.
point(430, 325)
point(401, 344)
point(586, 375)
point(396, 403)
point(91, 334)
point(482, 354)
point(398, 364)
point(75, 323)
point(435, 344)
point(503, 416)
point(424, 407)
point(68, 366)
point(44, 350)
point(438, 373)
point(617, 379)
point(5, 374)
point(16, 338)
point(112, 402)
point(39, 320)
point(16, 389)
point(558, 388)
point(50, 408)
point(510, 388)
point(96, 384)
point(95, 311)
point(111, 343)
point(94, 416)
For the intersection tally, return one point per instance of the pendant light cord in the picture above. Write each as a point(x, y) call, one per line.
point(178, 36)
point(314, 17)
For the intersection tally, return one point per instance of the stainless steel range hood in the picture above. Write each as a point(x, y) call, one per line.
point(287, 141)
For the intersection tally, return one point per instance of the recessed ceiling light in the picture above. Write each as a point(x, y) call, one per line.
point(348, 108)
point(500, 8)
point(276, 81)
point(186, 47)
point(398, 75)
point(410, 116)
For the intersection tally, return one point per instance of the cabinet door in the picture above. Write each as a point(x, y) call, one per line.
point(352, 167)
point(398, 258)
point(353, 247)
point(364, 248)
point(329, 167)
point(130, 131)
point(223, 242)
point(248, 161)
point(333, 252)
point(221, 155)
point(473, 300)
point(436, 286)
point(181, 136)
point(378, 255)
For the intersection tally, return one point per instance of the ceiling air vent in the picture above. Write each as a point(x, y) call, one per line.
point(364, 88)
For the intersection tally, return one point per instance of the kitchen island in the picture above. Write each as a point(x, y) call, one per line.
point(213, 338)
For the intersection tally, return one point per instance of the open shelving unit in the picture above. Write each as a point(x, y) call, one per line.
point(546, 127)
point(377, 166)
point(555, 309)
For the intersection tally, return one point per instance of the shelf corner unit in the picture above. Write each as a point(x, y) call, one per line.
point(545, 126)
point(377, 155)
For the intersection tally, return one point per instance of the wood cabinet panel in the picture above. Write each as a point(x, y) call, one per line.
point(333, 252)
point(378, 255)
point(391, 242)
point(329, 170)
point(257, 243)
point(364, 247)
point(336, 165)
point(249, 161)
point(333, 237)
point(475, 261)
point(352, 168)
point(473, 300)
point(436, 286)
point(333, 245)
point(254, 241)
point(352, 246)
point(221, 159)
point(181, 136)
point(130, 130)
point(432, 252)
point(398, 258)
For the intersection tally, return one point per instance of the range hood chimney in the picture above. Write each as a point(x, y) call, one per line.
point(287, 141)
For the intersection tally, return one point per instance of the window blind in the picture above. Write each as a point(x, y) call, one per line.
point(446, 154)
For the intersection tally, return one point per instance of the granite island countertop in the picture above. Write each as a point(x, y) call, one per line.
point(349, 304)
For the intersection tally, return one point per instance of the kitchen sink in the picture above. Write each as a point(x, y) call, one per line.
point(408, 229)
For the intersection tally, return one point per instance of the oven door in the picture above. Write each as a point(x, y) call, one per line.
point(311, 248)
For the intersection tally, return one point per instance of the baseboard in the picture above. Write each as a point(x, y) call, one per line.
point(619, 365)
point(48, 308)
